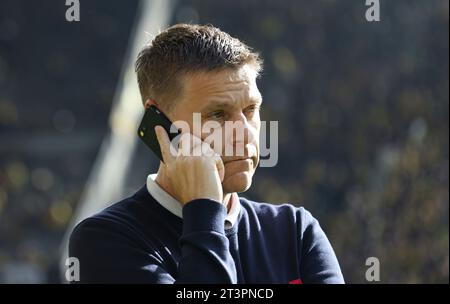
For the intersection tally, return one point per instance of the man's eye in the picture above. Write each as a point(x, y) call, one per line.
point(253, 108)
point(217, 115)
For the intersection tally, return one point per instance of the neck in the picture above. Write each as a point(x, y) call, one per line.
point(164, 182)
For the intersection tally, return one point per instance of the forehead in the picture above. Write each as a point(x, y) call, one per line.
point(202, 87)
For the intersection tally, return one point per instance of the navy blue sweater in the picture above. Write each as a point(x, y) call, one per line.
point(138, 241)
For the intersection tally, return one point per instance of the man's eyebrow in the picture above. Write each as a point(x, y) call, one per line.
point(222, 104)
point(257, 99)
point(217, 104)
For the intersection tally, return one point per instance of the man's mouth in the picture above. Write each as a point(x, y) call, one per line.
point(252, 159)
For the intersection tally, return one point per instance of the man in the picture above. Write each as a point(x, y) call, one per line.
point(187, 224)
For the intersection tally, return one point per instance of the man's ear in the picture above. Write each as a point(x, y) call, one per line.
point(150, 102)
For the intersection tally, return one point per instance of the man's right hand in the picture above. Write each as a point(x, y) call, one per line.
point(192, 177)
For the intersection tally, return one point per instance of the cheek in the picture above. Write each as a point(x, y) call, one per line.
point(219, 139)
point(255, 142)
point(216, 139)
point(254, 133)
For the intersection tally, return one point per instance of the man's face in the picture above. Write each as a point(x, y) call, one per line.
point(233, 96)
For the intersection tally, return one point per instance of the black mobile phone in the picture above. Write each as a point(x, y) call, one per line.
point(146, 131)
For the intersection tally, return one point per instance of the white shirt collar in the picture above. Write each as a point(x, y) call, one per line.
point(175, 207)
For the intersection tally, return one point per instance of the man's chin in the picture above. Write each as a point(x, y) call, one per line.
point(238, 182)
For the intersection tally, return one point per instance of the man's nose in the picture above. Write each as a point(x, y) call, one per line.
point(242, 130)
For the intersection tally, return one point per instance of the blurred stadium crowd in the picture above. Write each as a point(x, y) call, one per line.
point(362, 110)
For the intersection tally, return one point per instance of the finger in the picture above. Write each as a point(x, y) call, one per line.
point(184, 147)
point(164, 144)
point(201, 147)
point(190, 145)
